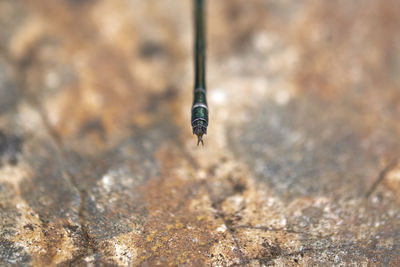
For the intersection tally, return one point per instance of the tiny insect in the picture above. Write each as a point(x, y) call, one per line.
point(199, 109)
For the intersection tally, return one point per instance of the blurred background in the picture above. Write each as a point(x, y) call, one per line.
point(98, 164)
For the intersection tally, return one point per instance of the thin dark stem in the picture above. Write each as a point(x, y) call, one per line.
point(200, 45)
point(199, 108)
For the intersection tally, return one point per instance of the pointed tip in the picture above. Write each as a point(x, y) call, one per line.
point(199, 129)
point(200, 140)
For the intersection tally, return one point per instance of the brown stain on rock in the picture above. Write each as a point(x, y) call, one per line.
point(190, 220)
point(176, 233)
point(58, 245)
point(346, 47)
point(109, 70)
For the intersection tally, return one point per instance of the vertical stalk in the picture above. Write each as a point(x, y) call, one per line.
point(199, 108)
point(200, 45)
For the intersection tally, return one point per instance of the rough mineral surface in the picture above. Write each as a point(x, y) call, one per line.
point(98, 166)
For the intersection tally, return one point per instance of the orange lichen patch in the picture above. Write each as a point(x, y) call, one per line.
point(58, 245)
point(30, 234)
point(267, 245)
point(180, 228)
point(171, 235)
point(120, 249)
point(47, 244)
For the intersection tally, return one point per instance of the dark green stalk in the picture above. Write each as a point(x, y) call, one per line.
point(199, 108)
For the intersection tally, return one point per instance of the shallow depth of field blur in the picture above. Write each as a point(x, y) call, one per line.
point(98, 164)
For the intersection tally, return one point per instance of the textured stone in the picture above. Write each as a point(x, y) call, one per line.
point(301, 161)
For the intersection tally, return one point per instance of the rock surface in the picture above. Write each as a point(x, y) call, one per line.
point(300, 165)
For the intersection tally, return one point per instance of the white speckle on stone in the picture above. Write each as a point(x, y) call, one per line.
point(221, 229)
point(321, 202)
point(270, 201)
point(218, 96)
point(107, 181)
point(375, 199)
point(283, 222)
point(123, 253)
point(337, 258)
point(52, 80)
point(237, 200)
point(100, 207)
point(327, 209)
point(303, 224)
point(89, 259)
point(20, 205)
point(282, 97)
point(202, 174)
point(264, 41)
